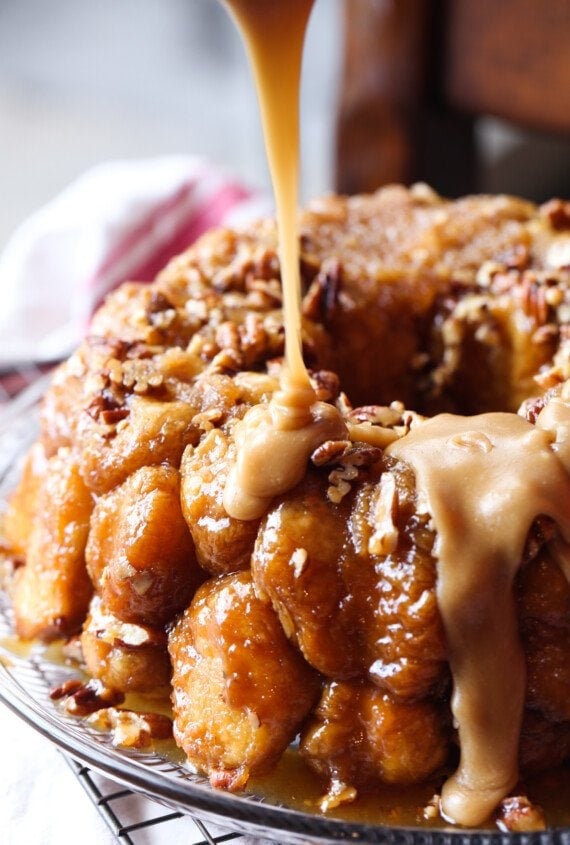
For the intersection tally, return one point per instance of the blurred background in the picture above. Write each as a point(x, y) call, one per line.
point(84, 82)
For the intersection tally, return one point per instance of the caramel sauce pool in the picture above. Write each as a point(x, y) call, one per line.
point(294, 785)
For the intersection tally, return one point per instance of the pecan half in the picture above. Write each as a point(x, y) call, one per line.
point(320, 301)
point(81, 699)
point(517, 813)
point(131, 729)
point(557, 213)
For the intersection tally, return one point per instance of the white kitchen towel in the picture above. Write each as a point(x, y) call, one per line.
point(121, 220)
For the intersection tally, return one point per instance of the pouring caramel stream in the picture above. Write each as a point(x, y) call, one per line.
point(274, 33)
point(275, 441)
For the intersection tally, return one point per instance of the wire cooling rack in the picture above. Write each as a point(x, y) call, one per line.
point(111, 800)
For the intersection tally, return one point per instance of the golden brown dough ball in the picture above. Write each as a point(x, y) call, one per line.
point(153, 432)
point(124, 656)
point(223, 544)
point(353, 607)
point(359, 735)
point(140, 553)
point(297, 563)
point(51, 592)
point(240, 689)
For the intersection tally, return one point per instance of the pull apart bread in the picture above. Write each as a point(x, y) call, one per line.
point(321, 617)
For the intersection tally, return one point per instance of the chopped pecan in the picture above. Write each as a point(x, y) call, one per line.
point(253, 338)
point(112, 416)
point(532, 299)
point(231, 780)
point(431, 809)
point(345, 453)
point(226, 361)
point(207, 420)
point(320, 301)
point(67, 688)
point(267, 290)
point(81, 699)
point(329, 452)
point(343, 404)
point(228, 336)
point(531, 408)
point(517, 813)
point(355, 456)
point(326, 384)
point(265, 266)
point(340, 483)
point(131, 729)
point(384, 537)
point(379, 414)
point(159, 302)
point(557, 213)
point(104, 406)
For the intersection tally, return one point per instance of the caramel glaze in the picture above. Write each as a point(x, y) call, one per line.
point(484, 479)
point(275, 441)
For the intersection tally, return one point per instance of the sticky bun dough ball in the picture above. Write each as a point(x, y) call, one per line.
point(125, 656)
point(240, 689)
point(143, 573)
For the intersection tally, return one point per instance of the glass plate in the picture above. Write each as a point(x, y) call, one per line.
point(25, 681)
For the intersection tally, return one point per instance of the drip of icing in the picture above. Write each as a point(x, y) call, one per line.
point(271, 457)
point(274, 442)
point(485, 479)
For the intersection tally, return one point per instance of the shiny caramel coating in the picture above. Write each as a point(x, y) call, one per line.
point(62, 403)
point(223, 544)
point(359, 734)
point(240, 689)
point(543, 595)
point(297, 564)
point(144, 573)
point(404, 645)
point(157, 433)
point(23, 502)
point(124, 656)
point(51, 592)
point(351, 612)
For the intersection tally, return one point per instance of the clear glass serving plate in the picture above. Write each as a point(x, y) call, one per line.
point(26, 677)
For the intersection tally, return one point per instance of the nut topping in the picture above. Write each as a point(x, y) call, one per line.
point(81, 699)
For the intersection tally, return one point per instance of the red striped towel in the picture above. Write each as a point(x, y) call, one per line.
point(122, 220)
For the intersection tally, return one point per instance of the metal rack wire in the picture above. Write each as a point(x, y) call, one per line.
point(110, 801)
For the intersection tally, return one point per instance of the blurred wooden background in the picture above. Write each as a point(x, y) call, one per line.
point(419, 75)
